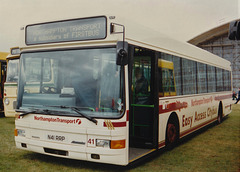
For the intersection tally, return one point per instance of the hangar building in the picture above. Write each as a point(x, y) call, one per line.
point(216, 41)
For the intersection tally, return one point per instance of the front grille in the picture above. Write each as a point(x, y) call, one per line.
point(56, 151)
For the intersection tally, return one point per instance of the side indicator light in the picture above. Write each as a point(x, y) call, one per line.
point(15, 132)
point(118, 144)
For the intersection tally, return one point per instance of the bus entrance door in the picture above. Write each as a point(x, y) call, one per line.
point(142, 105)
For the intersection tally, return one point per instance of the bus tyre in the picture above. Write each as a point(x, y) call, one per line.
point(220, 114)
point(172, 135)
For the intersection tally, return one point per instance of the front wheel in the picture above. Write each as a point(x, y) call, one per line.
point(172, 135)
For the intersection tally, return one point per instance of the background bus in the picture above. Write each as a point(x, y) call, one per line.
point(10, 86)
point(88, 90)
point(3, 66)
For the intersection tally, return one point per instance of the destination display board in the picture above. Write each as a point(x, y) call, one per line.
point(65, 31)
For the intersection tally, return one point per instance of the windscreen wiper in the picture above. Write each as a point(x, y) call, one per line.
point(35, 111)
point(26, 112)
point(77, 110)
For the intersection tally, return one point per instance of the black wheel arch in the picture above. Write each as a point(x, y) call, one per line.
point(173, 118)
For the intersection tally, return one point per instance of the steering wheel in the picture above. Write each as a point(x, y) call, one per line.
point(47, 89)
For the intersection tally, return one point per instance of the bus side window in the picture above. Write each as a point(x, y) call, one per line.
point(168, 81)
point(171, 80)
point(166, 78)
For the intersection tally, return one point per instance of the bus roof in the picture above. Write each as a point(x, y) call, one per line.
point(141, 35)
point(152, 39)
point(3, 55)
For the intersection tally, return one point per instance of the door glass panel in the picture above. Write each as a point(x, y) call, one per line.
point(141, 80)
point(142, 107)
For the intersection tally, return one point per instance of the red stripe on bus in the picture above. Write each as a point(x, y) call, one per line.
point(227, 106)
point(160, 145)
point(116, 124)
point(173, 107)
point(223, 97)
point(127, 115)
point(119, 124)
point(196, 128)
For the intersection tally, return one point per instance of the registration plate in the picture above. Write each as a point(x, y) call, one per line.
point(54, 137)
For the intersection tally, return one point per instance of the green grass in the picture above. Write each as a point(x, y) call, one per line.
point(215, 148)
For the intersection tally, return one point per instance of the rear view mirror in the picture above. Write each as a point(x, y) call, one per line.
point(122, 53)
point(234, 30)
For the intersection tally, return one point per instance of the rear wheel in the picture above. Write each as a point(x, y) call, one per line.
point(220, 114)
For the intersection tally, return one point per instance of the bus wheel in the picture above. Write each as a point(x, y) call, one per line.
point(172, 135)
point(220, 114)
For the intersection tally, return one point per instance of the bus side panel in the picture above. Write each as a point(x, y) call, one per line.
point(194, 112)
point(163, 119)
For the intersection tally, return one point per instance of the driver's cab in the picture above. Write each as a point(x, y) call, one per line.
point(34, 75)
point(49, 88)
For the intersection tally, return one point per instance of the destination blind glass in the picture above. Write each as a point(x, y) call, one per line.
point(63, 31)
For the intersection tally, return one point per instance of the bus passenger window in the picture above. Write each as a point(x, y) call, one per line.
point(167, 86)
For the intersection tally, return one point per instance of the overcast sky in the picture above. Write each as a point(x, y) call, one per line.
point(182, 19)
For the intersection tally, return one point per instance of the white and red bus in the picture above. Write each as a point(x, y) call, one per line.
point(107, 90)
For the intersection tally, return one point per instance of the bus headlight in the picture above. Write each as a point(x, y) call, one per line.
point(19, 132)
point(6, 101)
point(103, 143)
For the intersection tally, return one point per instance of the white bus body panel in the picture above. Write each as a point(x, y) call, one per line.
point(193, 111)
point(72, 134)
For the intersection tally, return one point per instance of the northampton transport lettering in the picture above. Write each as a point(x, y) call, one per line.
point(201, 101)
point(74, 32)
point(58, 120)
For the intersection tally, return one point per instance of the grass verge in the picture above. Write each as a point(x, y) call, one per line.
point(214, 148)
